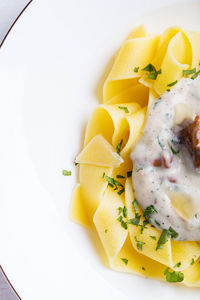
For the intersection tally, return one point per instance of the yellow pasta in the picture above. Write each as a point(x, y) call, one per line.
point(103, 198)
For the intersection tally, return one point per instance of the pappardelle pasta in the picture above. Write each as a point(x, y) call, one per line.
point(145, 67)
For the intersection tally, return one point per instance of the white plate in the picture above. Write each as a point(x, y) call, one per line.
point(52, 66)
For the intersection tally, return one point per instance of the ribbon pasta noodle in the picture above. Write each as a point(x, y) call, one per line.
point(103, 199)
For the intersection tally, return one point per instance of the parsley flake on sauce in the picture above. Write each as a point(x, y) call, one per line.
point(124, 108)
point(136, 69)
point(125, 260)
point(66, 173)
point(149, 210)
point(173, 276)
point(139, 244)
point(173, 150)
point(159, 143)
point(173, 234)
point(195, 75)
point(162, 240)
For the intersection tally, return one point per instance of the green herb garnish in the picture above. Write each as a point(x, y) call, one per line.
point(139, 244)
point(120, 176)
point(173, 150)
point(118, 148)
point(120, 210)
point(66, 173)
point(172, 233)
point(106, 230)
point(188, 72)
point(134, 221)
point(153, 73)
point(173, 83)
point(125, 211)
point(177, 265)
point(135, 205)
point(195, 75)
point(125, 260)
point(129, 173)
point(153, 237)
point(159, 143)
point(149, 210)
point(143, 268)
point(173, 276)
point(157, 223)
point(139, 169)
point(124, 108)
point(192, 261)
point(162, 240)
point(136, 69)
point(123, 223)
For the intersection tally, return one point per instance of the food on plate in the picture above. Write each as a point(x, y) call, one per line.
point(139, 169)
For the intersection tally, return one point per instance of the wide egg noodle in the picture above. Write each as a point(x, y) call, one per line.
point(93, 202)
point(135, 52)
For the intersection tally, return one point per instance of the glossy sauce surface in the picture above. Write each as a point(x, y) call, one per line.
point(164, 172)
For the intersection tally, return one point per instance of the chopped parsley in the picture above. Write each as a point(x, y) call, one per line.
point(192, 261)
point(189, 72)
point(106, 230)
point(129, 173)
point(123, 223)
point(125, 211)
point(120, 176)
point(135, 205)
point(195, 75)
point(156, 103)
point(135, 221)
point(118, 148)
point(139, 169)
point(125, 260)
point(113, 183)
point(136, 69)
point(120, 210)
point(173, 276)
point(157, 223)
point(168, 90)
point(145, 222)
point(153, 237)
point(153, 73)
point(139, 244)
point(149, 210)
point(124, 108)
point(159, 143)
point(172, 233)
point(162, 240)
point(173, 83)
point(66, 173)
point(173, 150)
point(177, 265)
point(143, 268)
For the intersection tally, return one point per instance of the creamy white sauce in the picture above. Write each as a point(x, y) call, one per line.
point(152, 184)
